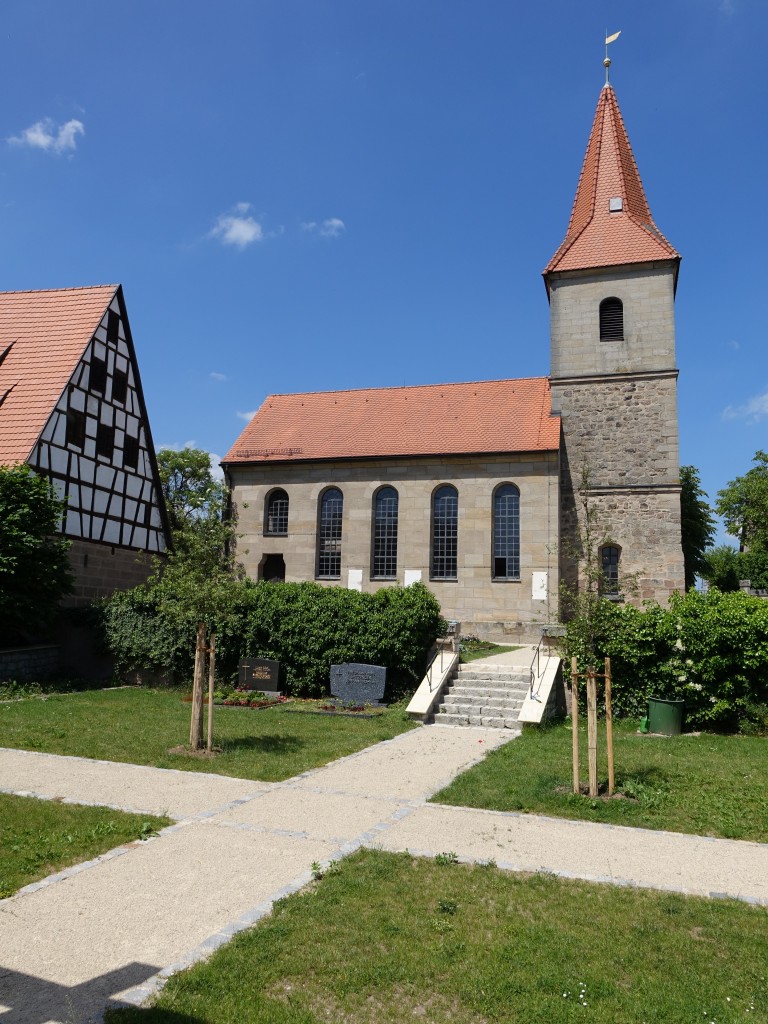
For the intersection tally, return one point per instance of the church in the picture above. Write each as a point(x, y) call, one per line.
point(479, 489)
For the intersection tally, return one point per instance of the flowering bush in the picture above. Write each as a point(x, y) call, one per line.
point(710, 650)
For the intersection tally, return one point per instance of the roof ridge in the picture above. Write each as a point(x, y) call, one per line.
point(74, 288)
point(405, 387)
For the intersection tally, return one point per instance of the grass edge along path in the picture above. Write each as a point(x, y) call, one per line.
point(704, 784)
point(40, 837)
point(139, 725)
point(474, 945)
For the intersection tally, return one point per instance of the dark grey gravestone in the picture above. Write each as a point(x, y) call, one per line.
point(363, 684)
point(259, 674)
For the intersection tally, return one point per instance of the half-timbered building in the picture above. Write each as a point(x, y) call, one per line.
point(72, 408)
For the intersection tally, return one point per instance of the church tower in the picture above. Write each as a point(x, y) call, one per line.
point(611, 286)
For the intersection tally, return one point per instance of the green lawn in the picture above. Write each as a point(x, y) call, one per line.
point(390, 939)
point(140, 726)
point(39, 837)
point(707, 785)
point(471, 650)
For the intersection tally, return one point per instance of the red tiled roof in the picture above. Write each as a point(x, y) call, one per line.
point(597, 237)
point(434, 419)
point(43, 334)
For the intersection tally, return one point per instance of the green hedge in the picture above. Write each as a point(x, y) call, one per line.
point(304, 626)
point(710, 650)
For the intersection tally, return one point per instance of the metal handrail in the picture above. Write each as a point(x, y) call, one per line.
point(438, 653)
point(536, 674)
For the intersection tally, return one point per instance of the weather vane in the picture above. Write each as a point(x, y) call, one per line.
point(607, 61)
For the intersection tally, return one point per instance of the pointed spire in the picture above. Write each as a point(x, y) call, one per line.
point(611, 222)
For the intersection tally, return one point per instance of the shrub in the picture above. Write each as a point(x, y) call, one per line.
point(710, 650)
point(304, 626)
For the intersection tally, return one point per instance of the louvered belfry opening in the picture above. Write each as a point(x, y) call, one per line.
point(611, 320)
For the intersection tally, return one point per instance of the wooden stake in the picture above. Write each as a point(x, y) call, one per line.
point(211, 676)
point(196, 726)
point(592, 729)
point(609, 727)
point(575, 723)
point(195, 676)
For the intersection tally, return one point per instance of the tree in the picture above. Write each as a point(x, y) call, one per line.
point(743, 504)
point(697, 524)
point(192, 495)
point(586, 603)
point(34, 567)
point(721, 567)
point(195, 583)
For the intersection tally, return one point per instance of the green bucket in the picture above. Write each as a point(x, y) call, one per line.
point(665, 716)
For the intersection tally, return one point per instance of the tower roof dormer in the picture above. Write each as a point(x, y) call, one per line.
point(611, 223)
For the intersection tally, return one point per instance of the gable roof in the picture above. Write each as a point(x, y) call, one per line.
point(435, 419)
point(597, 237)
point(43, 335)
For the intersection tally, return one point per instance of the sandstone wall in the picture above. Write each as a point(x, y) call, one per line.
point(481, 604)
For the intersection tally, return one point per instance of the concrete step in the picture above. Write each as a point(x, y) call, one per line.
point(488, 721)
point(516, 690)
point(492, 703)
point(477, 674)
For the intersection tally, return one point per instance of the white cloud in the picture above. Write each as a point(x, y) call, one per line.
point(247, 416)
point(332, 227)
point(216, 471)
point(44, 135)
point(237, 227)
point(752, 411)
point(728, 6)
point(220, 377)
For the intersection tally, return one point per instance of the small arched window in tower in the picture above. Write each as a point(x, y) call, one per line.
point(609, 561)
point(329, 534)
point(611, 319)
point(276, 519)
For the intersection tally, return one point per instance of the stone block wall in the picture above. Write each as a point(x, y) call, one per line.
point(21, 663)
point(483, 605)
point(645, 525)
point(647, 295)
point(623, 427)
point(100, 570)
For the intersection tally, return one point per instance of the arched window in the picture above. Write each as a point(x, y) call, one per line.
point(385, 534)
point(329, 534)
point(506, 533)
point(611, 320)
point(445, 530)
point(609, 561)
point(276, 517)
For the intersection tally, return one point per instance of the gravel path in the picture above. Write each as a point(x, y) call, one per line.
point(110, 931)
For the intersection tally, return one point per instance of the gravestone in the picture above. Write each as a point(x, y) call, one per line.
point(361, 684)
point(260, 674)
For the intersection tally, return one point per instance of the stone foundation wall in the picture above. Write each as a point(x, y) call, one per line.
point(38, 662)
point(100, 570)
point(645, 526)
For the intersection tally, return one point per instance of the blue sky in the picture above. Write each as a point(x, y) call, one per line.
point(316, 194)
